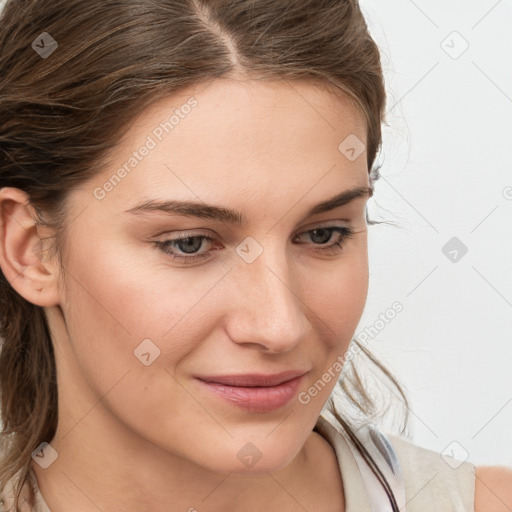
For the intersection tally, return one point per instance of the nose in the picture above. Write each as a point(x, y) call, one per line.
point(267, 308)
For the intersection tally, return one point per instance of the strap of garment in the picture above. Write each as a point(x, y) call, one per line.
point(382, 452)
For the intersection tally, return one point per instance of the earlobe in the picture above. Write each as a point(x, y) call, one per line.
point(22, 258)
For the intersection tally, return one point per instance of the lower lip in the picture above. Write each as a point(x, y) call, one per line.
point(256, 399)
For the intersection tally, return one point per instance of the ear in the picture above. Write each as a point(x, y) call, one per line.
point(22, 259)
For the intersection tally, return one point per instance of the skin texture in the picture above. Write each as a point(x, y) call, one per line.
point(270, 151)
point(493, 489)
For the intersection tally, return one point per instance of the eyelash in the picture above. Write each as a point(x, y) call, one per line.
point(344, 231)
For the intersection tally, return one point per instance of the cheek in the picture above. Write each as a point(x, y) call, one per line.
point(338, 295)
point(337, 299)
point(116, 299)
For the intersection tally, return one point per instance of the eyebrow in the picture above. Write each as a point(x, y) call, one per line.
point(206, 211)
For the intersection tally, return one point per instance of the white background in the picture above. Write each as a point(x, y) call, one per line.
point(447, 159)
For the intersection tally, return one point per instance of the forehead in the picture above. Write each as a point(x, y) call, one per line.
point(232, 138)
point(228, 106)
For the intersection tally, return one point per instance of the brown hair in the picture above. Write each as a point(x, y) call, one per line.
point(61, 114)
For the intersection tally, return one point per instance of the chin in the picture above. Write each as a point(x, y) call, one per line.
point(247, 458)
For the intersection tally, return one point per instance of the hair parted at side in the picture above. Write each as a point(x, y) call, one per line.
point(60, 116)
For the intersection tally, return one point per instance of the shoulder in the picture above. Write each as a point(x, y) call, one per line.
point(493, 489)
point(492, 485)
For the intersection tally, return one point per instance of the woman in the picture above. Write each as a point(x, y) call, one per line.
point(183, 190)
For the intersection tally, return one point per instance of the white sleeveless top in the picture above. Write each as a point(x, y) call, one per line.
point(421, 479)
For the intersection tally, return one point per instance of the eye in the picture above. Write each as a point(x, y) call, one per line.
point(322, 234)
point(186, 244)
point(185, 247)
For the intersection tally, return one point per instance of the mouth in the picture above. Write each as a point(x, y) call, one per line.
point(255, 392)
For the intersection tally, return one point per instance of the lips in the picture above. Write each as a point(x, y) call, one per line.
point(254, 392)
point(254, 380)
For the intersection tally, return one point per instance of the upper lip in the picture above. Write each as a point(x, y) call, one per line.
point(254, 379)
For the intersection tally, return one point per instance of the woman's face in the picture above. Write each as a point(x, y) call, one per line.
point(263, 294)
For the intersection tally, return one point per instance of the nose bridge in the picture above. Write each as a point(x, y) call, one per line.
point(269, 311)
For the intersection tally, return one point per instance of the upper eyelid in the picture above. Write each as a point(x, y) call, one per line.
point(198, 232)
